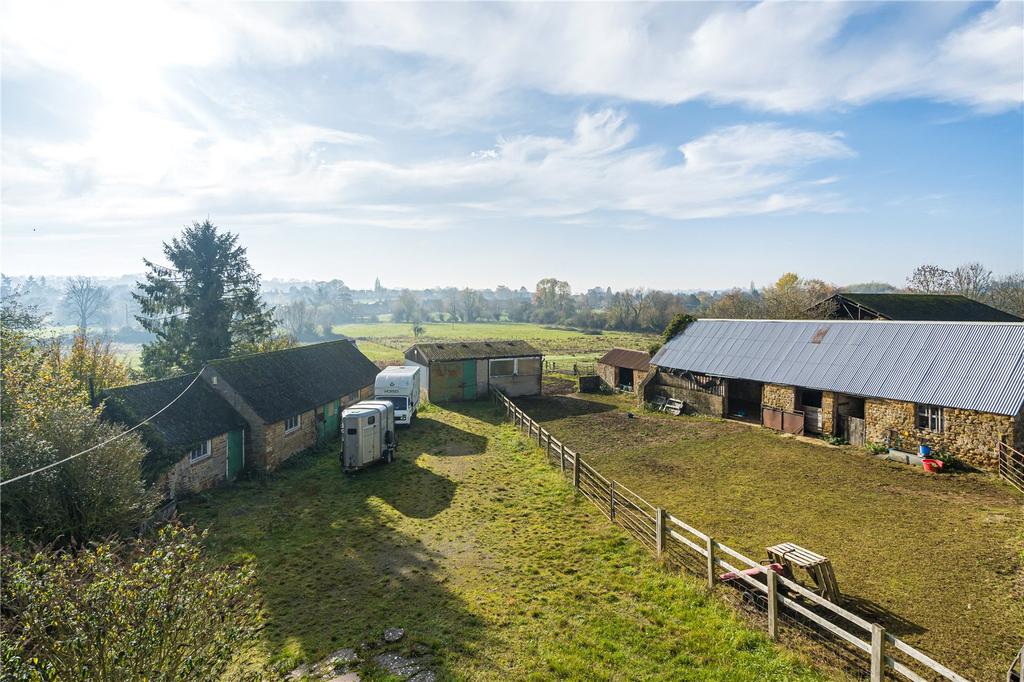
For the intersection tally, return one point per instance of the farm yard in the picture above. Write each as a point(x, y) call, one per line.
point(478, 549)
point(909, 548)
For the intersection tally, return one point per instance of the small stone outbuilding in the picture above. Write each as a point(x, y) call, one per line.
point(468, 370)
point(624, 369)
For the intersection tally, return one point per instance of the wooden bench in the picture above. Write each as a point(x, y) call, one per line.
point(817, 566)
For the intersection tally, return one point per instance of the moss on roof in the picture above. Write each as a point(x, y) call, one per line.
point(199, 414)
point(930, 307)
point(282, 383)
point(474, 350)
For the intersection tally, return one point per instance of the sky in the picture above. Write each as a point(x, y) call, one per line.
point(675, 146)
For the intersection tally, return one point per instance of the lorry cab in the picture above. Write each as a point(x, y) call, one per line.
point(399, 385)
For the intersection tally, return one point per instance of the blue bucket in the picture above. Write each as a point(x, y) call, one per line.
point(924, 450)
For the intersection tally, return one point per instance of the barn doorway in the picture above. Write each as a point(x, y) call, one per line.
point(850, 418)
point(743, 399)
point(624, 378)
point(810, 404)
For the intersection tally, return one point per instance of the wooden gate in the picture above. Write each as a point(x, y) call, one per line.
point(853, 430)
point(1011, 466)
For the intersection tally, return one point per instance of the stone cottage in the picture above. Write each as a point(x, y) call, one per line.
point(292, 399)
point(196, 443)
point(955, 386)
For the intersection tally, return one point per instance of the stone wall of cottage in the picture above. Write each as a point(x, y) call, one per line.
point(968, 435)
point(278, 446)
point(187, 477)
point(780, 397)
point(828, 413)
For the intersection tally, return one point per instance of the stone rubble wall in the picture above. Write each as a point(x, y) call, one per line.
point(779, 397)
point(967, 435)
point(828, 413)
point(187, 477)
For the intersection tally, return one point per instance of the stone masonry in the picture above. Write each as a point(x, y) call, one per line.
point(828, 413)
point(968, 435)
point(191, 477)
point(779, 397)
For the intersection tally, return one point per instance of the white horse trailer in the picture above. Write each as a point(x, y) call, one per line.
point(400, 385)
point(368, 434)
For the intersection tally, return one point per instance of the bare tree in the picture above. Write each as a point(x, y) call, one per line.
point(1007, 293)
point(929, 279)
point(972, 280)
point(301, 319)
point(85, 300)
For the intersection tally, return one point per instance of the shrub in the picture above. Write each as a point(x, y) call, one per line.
point(876, 448)
point(149, 609)
point(91, 496)
point(835, 440)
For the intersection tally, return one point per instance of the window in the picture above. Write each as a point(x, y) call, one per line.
point(201, 451)
point(528, 366)
point(291, 423)
point(503, 368)
point(929, 418)
point(400, 402)
point(371, 420)
point(351, 432)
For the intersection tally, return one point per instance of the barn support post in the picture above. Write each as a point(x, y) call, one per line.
point(711, 562)
point(877, 653)
point(773, 603)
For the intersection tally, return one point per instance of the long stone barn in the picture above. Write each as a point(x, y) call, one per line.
point(955, 386)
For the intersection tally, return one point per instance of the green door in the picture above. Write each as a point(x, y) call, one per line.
point(469, 380)
point(236, 453)
point(330, 422)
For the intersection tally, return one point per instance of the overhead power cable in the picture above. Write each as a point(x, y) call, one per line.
point(106, 442)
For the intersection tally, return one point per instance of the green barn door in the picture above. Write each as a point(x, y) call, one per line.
point(236, 453)
point(331, 421)
point(469, 380)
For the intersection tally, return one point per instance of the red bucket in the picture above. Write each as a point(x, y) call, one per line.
point(932, 465)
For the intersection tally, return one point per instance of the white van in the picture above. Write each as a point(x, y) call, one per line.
point(400, 386)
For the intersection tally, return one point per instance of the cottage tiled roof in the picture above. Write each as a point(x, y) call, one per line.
point(624, 357)
point(474, 350)
point(282, 383)
point(199, 414)
point(967, 365)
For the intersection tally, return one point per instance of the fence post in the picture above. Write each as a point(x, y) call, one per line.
point(540, 434)
point(561, 457)
point(659, 531)
point(711, 563)
point(611, 501)
point(877, 653)
point(576, 471)
point(773, 603)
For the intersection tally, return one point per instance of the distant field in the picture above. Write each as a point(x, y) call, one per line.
point(563, 343)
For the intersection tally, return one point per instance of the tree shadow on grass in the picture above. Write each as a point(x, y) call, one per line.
point(336, 565)
point(874, 612)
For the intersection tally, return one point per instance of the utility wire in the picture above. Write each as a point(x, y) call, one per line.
point(106, 442)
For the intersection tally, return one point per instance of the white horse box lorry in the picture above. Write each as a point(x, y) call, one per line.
point(401, 386)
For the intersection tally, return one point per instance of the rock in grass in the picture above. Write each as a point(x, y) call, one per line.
point(392, 635)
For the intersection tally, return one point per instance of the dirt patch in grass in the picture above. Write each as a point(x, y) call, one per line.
point(939, 560)
point(485, 558)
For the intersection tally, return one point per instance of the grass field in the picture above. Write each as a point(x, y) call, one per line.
point(560, 342)
point(938, 560)
point(475, 546)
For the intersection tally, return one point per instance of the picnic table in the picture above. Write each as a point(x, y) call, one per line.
point(818, 567)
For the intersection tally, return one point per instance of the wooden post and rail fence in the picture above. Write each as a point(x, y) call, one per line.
point(677, 543)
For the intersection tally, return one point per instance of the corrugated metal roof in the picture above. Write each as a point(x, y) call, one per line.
point(475, 350)
point(624, 357)
point(966, 365)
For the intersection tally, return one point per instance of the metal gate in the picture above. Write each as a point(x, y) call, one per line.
point(853, 430)
point(1011, 466)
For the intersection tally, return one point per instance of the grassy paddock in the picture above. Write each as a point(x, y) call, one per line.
point(938, 560)
point(475, 546)
point(551, 341)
